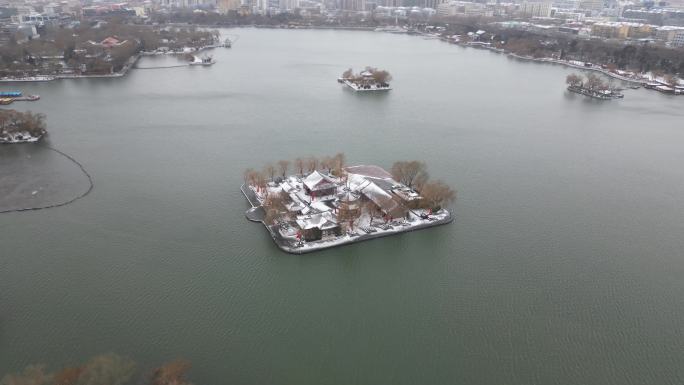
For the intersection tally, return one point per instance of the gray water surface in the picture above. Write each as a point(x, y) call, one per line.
point(564, 264)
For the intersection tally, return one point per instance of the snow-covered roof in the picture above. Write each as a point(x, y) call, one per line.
point(376, 193)
point(323, 221)
point(320, 206)
point(369, 170)
point(318, 181)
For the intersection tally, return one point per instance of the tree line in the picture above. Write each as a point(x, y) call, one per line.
point(380, 76)
point(12, 122)
point(106, 369)
point(614, 54)
point(414, 175)
point(333, 165)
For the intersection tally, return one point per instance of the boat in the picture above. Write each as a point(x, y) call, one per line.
point(204, 61)
point(6, 101)
point(10, 94)
point(27, 98)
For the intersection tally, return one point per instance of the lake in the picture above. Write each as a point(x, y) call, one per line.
point(563, 266)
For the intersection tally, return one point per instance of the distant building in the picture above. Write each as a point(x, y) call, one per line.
point(610, 30)
point(613, 30)
point(390, 3)
point(466, 8)
point(566, 4)
point(574, 16)
point(288, 5)
point(673, 36)
point(353, 5)
point(225, 6)
point(592, 5)
point(432, 3)
point(535, 9)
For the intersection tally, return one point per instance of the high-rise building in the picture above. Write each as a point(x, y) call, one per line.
point(353, 5)
point(674, 36)
point(535, 9)
point(225, 6)
point(289, 5)
point(593, 5)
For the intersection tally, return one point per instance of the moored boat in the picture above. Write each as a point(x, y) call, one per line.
point(204, 61)
point(10, 94)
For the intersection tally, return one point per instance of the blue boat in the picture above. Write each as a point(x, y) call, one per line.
point(10, 94)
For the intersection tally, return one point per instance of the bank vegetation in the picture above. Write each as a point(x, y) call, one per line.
point(106, 369)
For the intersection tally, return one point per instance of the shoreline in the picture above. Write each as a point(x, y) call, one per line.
point(130, 64)
point(133, 60)
point(577, 66)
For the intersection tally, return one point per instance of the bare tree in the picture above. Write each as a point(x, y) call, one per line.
point(436, 194)
point(248, 175)
point(272, 216)
point(172, 373)
point(671, 80)
point(412, 173)
point(327, 163)
point(347, 74)
point(299, 164)
point(68, 376)
point(32, 375)
point(260, 181)
point(283, 165)
point(382, 76)
point(12, 121)
point(109, 369)
point(595, 83)
point(269, 170)
point(338, 164)
point(573, 80)
point(312, 164)
point(275, 207)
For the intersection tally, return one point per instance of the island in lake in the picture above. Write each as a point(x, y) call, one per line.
point(327, 204)
point(593, 87)
point(370, 79)
point(21, 127)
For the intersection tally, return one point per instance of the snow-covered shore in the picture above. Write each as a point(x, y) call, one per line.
point(359, 235)
point(19, 137)
point(286, 237)
point(367, 88)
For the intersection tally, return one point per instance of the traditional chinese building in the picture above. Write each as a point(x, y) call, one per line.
point(319, 185)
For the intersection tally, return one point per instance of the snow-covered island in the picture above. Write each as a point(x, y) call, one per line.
point(21, 127)
point(593, 87)
point(370, 79)
point(328, 204)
